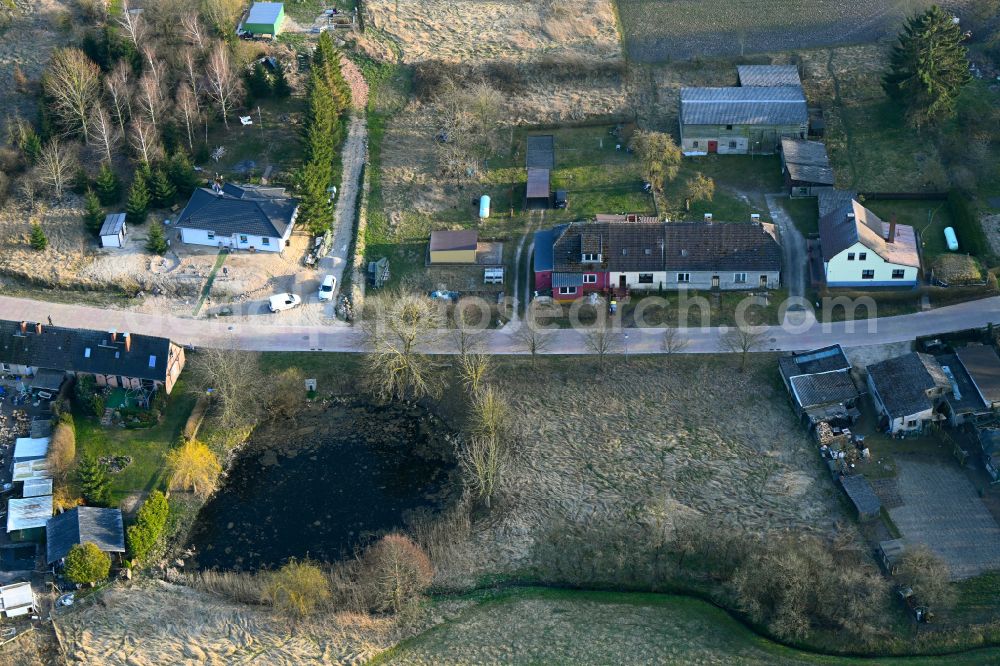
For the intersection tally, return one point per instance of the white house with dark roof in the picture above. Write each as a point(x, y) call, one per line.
point(860, 250)
point(239, 217)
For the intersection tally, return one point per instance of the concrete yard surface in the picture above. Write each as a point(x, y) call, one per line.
point(942, 510)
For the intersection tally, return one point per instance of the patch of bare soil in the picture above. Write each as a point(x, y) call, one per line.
point(473, 30)
point(648, 442)
point(159, 623)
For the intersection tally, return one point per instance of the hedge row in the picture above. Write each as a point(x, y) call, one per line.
point(150, 522)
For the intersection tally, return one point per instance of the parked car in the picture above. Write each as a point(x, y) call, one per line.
point(327, 287)
point(280, 302)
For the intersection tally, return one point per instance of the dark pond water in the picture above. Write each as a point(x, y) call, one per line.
point(323, 483)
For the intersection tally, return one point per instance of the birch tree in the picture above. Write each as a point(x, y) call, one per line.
point(150, 98)
point(192, 75)
point(55, 166)
point(224, 85)
point(119, 90)
point(194, 31)
point(187, 108)
point(133, 25)
point(155, 67)
point(104, 133)
point(144, 141)
point(72, 81)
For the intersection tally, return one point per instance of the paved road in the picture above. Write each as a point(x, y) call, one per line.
point(270, 335)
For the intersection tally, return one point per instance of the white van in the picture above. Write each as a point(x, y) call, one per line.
point(327, 287)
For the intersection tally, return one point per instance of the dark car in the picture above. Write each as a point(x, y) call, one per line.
point(560, 199)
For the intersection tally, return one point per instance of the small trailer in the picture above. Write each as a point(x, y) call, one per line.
point(493, 276)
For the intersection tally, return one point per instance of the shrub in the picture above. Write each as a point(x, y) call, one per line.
point(88, 395)
point(86, 563)
point(296, 588)
point(156, 242)
point(94, 482)
point(150, 522)
point(62, 448)
point(193, 466)
point(93, 214)
point(395, 572)
point(38, 239)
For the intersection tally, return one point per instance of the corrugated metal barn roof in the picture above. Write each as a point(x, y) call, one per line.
point(768, 75)
point(784, 105)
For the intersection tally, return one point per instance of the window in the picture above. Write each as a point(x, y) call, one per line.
point(911, 424)
point(683, 277)
point(624, 251)
point(729, 127)
point(587, 256)
point(265, 240)
point(862, 256)
point(243, 238)
point(86, 352)
point(152, 361)
point(868, 275)
point(211, 235)
point(567, 291)
point(850, 256)
point(898, 274)
point(645, 278)
point(739, 278)
point(732, 145)
point(694, 144)
point(647, 252)
point(590, 278)
point(804, 191)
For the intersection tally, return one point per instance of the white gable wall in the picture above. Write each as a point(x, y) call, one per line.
point(841, 272)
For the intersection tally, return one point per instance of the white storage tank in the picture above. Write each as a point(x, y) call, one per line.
point(951, 238)
point(484, 206)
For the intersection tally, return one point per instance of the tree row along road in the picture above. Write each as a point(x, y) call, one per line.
point(339, 338)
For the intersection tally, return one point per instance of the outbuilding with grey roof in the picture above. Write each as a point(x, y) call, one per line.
point(741, 120)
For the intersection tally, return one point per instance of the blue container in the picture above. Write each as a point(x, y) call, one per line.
point(951, 238)
point(484, 206)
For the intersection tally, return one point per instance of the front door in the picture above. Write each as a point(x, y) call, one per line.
point(715, 282)
point(622, 281)
point(713, 146)
point(763, 281)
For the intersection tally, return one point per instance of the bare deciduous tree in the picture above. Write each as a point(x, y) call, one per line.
point(396, 325)
point(659, 157)
point(602, 339)
point(396, 572)
point(187, 107)
point(474, 369)
point(673, 342)
point(192, 75)
point(533, 339)
point(55, 166)
point(150, 99)
point(224, 84)
point(72, 80)
point(104, 134)
point(144, 141)
point(194, 31)
point(927, 575)
point(742, 340)
point(488, 451)
point(133, 25)
point(155, 66)
point(119, 89)
point(238, 387)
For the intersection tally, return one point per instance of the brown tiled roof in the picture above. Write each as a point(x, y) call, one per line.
point(838, 231)
point(721, 246)
point(624, 246)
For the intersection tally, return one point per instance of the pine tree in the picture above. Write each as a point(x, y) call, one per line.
point(137, 205)
point(164, 191)
point(93, 214)
point(94, 483)
point(928, 67)
point(108, 186)
point(281, 87)
point(38, 240)
point(326, 59)
point(32, 146)
point(182, 174)
point(156, 242)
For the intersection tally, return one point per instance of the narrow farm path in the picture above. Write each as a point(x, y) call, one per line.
point(848, 136)
point(793, 246)
point(536, 219)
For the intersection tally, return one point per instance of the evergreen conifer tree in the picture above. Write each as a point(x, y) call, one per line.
point(93, 214)
point(928, 67)
point(108, 186)
point(137, 205)
point(38, 239)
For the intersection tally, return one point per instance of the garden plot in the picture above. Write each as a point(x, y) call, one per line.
point(658, 31)
point(642, 442)
point(474, 31)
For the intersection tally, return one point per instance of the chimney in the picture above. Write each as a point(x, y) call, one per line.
point(114, 336)
point(755, 218)
point(38, 328)
point(128, 341)
point(708, 217)
point(24, 327)
point(892, 229)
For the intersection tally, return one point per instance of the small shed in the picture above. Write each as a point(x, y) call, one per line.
point(113, 230)
point(863, 496)
point(890, 553)
point(27, 516)
point(538, 193)
point(17, 600)
point(84, 524)
point(26, 448)
point(265, 18)
point(454, 247)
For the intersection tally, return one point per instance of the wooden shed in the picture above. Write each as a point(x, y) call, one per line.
point(454, 247)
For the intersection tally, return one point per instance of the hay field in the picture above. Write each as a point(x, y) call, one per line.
point(474, 31)
point(159, 623)
point(648, 443)
point(663, 30)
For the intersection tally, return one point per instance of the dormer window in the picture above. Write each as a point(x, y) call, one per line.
point(591, 257)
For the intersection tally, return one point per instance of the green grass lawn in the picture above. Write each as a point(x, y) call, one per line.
point(804, 213)
point(539, 626)
point(929, 218)
point(740, 183)
point(148, 447)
